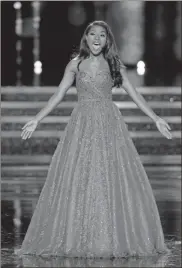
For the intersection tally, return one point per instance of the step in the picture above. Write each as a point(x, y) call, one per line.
point(167, 196)
point(45, 159)
point(72, 90)
point(119, 96)
point(134, 123)
point(157, 178)
point(65, 119)
point(71, 104)
point(132, 126)
point(13, 192)
point(167, 180)
point(41, 170)
point(68, 111)
point(58, 134)
point(23, 97)
point(11, 144)
point(33, 184)
point(149, 146)
point(169, 94)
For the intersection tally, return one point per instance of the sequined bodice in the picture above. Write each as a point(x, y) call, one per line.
point(94, 88)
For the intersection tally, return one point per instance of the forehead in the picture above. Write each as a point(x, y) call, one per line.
point(97, 28)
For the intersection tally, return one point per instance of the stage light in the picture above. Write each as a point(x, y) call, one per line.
point(18, 30)
point(38, 67)
point(38, 64)
point(141, 71)
point(17, 5)
point(37, 70)
point(141, 67)
point(140, 64)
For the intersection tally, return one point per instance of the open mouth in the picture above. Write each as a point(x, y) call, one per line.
point(96, 46)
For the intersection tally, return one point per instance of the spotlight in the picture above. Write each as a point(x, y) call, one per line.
point(17, 5)
point(38, 64)
point(38, 67)
point(141, 64)
point(141, 67)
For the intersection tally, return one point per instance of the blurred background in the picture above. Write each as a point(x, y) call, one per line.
point(38, 39)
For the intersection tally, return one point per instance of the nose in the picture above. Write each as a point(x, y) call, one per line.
point(96, 37)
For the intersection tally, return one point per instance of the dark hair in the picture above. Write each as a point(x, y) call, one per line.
point(110, 52)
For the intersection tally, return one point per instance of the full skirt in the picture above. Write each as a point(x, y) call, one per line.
point(97, 200)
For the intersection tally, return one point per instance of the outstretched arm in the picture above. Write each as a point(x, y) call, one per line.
point(66, 83)
point(137, 97)
point(161, 124)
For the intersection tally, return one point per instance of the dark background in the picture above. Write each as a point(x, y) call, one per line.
point(58, 38)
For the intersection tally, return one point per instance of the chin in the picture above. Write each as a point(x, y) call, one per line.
point(96, 53)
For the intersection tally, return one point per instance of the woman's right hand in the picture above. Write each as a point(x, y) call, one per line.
point(29, 128)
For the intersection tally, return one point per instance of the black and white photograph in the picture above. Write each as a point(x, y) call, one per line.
point(91, 133)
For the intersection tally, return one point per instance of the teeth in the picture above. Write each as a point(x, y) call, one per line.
point(96, 46)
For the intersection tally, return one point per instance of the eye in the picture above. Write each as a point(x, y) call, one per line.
point(103, 35)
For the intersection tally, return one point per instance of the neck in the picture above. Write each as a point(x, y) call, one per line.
point(96, 57)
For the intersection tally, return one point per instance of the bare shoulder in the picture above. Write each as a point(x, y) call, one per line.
point(72, 65)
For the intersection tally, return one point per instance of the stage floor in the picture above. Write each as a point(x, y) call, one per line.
point(18, 204)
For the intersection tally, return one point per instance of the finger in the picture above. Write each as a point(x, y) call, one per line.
point(23, 137)
point(30, 134)
point(26, 135)
point(165, 124)
point(168, 134)
point(23, 132)
point(166, 130)
point(168, 127)
point(165, 133)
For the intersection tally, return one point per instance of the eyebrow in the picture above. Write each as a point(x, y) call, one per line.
point(101, 31)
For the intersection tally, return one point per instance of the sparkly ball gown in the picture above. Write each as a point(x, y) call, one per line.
point(97, 200)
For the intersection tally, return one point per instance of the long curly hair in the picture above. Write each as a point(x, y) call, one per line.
point(110, 52)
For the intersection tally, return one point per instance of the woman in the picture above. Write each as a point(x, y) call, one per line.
point(97, 200)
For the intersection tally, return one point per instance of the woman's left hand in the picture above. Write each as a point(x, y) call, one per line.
point(163, 127)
